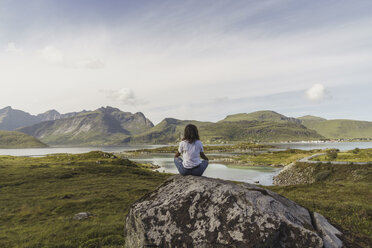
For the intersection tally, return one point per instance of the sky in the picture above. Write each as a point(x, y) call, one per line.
point(188, 59)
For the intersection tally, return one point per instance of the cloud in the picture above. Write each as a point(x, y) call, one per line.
point(125, 96)
point(55, 56)
point(221, 99)
point(91, 63)
point(52, 54)
point(316, 92)
point(11, 47)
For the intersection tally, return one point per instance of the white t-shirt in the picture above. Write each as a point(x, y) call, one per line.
point(190, 153)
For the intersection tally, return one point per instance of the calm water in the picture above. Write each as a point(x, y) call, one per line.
point(263, 174)
point(343, 146)
point(72, 150)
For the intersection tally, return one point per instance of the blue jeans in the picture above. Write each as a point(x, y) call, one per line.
point(196, 171)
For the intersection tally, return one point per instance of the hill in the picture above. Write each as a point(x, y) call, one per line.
point(171, 130)
point(339, 128)
point(12, 139)
point(265, 115)
point(104, 126)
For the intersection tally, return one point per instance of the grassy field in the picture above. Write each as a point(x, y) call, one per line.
point(241, 147)
point(274, 158)
point(40, 196)
point(343, 194)
point(356, 155)
point(335, 129)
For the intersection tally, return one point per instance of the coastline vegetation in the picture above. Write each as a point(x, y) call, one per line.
point(241, 147)
point(356, 155)
point(277, 158)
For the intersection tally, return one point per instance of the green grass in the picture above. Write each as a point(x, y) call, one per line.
point(40, 196)
point(347, 205)
point(13, 139)
point(336, 129)
point(241, 147)
point(274, 158)
point(264, 115)
point(342, 193)
point(356, 155)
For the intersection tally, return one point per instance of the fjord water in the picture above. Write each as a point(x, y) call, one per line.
point(252, 174)
point(73, 150)
point(262, 174)
point(342, 146)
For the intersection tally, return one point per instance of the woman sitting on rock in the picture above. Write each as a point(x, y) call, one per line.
point(191, 149)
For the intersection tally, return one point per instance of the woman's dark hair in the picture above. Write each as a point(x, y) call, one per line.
point(191, 133)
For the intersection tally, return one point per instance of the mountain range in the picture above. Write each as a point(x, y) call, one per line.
point(111, 126)
point(11, 119)
point(104, 126)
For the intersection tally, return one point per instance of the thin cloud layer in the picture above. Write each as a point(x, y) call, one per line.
point(124, 96)
point(11, 47)
point(52, 54)
point(55, 56)
point(183, 52)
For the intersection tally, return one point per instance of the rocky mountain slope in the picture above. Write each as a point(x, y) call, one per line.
point(110, 126)
point(167, 131)
point(171, 130)
point(104, 126)
point(12, 119)
point(12, 139)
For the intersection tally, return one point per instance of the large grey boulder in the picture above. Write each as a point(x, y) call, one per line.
point(204, 212)
point(327, 232)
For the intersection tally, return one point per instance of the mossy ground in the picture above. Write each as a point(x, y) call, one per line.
point(40, 196)
point(242, 147)
point(274, 158)
point(356, 155)
point(342, 193)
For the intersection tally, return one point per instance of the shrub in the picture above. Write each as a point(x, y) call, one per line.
point(356, 150)
point(322, 175)
point(332, 154)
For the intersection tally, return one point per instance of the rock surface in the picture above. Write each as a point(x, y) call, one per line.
point(204, 212)
point(292, 174)
point(83, 216)
point(328, 232)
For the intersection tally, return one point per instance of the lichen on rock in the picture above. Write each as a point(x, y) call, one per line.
point(204, 212)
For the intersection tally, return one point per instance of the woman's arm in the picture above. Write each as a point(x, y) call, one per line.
point(177, 154)
point(202, 155)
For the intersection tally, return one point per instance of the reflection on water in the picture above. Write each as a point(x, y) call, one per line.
point(264, 175)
